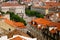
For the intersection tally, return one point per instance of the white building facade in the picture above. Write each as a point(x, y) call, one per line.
point(13, 6)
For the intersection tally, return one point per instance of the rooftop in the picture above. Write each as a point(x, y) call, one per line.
point(43, 23)
point(15, 24)
point(47, 5)
point(17, 38)
point(11, 3)
point(17, 32)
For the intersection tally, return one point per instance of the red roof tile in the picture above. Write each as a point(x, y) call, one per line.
point(53, 31)
point(58, 26)
point(10, 4)
point(19, 24)
point(14, 24)
point(10, 22)
point(1, 16)
point(42, 21)
point(45, 22)
point(52, 4)
point(17, 38)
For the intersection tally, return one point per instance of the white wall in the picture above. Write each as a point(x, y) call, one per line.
point(7, 16)
point(18, 9)
point(6, 38)
point(5, 9)
point(6, 26)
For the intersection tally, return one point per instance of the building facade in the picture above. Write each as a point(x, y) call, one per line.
point(13, 6)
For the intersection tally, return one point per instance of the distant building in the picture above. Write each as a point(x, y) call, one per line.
point(54, 17)
point(38, 26)
point(13, 6)
point(46, 7)
point(7, 26)
point(27, 2)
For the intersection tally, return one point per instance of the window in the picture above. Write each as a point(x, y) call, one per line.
point(12, 9)
point(9, 29)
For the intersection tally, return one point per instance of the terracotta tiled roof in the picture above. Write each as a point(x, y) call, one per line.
point(9, 22)
point(14, 24)
point(48, 5)
point(52, 4)
point(58, 26)
point(1, 16)
point(42, 21)
point(45, 22)
point(10, 4)
point(28, 0)
point(17, 38)
point(53, 31)
point(19, 24)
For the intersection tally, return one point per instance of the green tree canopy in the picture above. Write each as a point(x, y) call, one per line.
point(34, 13)
point(15, 17)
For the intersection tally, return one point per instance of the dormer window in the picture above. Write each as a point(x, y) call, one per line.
point(50, 28)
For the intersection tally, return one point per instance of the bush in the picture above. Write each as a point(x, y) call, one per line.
point(39, 15)
point(34, 13)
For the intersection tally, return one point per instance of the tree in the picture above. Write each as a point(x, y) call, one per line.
point(16, 18)
point(34, 13)
point(39, 15)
